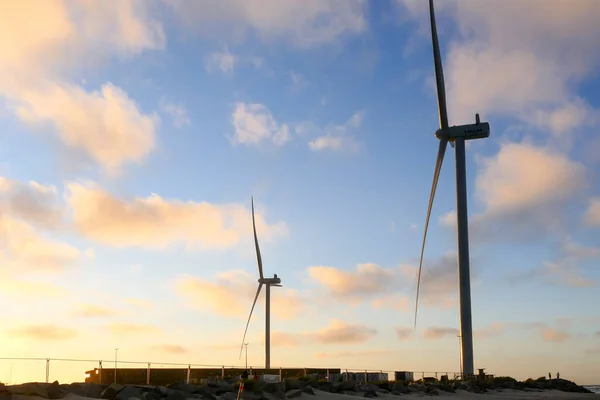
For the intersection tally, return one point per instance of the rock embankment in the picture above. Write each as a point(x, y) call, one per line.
point(289, 388)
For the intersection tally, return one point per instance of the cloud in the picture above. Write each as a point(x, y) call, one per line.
point(169, 348)
point(155, 222)
point(523, 189)
point(93, 311)
point(140, 304)
point(552, 335)
point(43, 332)
point(224, 296)
point(305, 25)
point(23, 250)
point(231, 294)
point(592, 215)
point(335, 143)
point(525, 67)
point(367, 280)
point(254, 124)
point(299, 82)
point(284, 339)
point(564, 269)
point(223, 61)
point(177, 112)
point(339, 332)
point(226, 62)
point(522, 176)
point(131, 329)
point(348, 354)
point(440, 332)
point(404, 333)
point(333, 137)
point(492, 330)
point(31, 202)
point(106, 125)
point(439, 280)
point(394, 302)
point(31, 289)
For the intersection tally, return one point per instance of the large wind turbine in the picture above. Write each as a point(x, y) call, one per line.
point(268, 282)
point(456, 135)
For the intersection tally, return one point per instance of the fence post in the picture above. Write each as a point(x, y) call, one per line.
point(100, 371)
point(148, 375)
point(328, 375)
point(280, 375)
point(47, 370)
point(436, 376)
point(304, 371)
point(222, 372)
point(366, 377)
point(189, 373)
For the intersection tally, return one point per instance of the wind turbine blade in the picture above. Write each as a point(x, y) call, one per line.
point(250, 316)
point(436, 176)
point(439, 73)
point(258, 257)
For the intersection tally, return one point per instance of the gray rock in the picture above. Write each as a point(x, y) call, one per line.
point(342, 386)
point(130, 392)
point(229, 396)
point(293, 393)
point(431, 390)
point(93, 390)
point(293, 384)
point(273, 387)
point(110, 393)
point(308, 390)
point(400, 388)
point(370, 394)
point(174, 395)
point(367, 388)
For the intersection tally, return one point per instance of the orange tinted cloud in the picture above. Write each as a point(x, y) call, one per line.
point(155, 222)
point(440, 332)
point(43, 332)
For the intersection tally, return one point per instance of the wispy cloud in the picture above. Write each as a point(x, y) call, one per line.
point(43, 332)
point(254, 124)
point(440, 332)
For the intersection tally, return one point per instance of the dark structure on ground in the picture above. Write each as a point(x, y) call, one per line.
point(165, 376)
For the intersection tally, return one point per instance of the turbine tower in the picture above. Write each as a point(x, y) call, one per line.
point(268, 282)
point(456, 135)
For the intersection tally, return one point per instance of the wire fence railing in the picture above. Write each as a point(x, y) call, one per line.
point(18, 370)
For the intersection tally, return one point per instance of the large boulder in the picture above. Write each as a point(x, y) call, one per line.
point(45, 390)
point(293, 384)
point(110, 393)
point(343, 387)
point(93, 390)
point(130, 393)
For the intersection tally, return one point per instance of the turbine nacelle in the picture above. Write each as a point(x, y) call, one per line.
point(274, 281)
point(478, 130)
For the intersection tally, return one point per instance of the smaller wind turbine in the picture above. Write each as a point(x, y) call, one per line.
point(268, 282)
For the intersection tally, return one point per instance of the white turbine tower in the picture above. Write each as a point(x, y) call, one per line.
point(456, 135)
point(268, 282)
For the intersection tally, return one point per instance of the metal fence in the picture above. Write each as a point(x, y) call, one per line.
point(15, 370)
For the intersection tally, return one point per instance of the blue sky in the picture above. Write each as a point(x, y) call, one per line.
point(134, 137)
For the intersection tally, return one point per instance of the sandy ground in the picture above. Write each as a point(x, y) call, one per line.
point(505, 394)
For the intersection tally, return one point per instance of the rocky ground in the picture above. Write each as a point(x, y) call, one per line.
point(289, 388)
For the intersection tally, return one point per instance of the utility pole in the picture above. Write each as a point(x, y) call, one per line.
point(116, 350)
